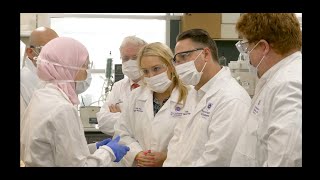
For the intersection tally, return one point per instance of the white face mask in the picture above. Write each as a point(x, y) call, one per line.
point(253, 70)
point(82, 86)
point(188, 72)
point(130, 68)
point(159, 83)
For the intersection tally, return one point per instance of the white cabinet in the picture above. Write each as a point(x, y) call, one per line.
point(30, 21)
point(228, 25)
point(229, 18)
point(228, 31)
point(27, 23)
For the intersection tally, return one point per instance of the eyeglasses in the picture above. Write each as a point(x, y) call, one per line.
point(242, 46)
point(157, 69)
point(127, 58)
point(36, 49)
point(181, 57)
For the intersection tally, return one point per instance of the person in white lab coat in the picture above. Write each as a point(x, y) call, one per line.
point(152, 110)
point(209, 136)
point(29, 80)
point(22, 53)
point(272, 44)
point(52, 133)
point(111, 110)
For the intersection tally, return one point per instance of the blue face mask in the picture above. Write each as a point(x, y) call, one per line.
point(82, 86)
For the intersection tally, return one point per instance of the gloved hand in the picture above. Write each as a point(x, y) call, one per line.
point(103, 142)
point(118, 149)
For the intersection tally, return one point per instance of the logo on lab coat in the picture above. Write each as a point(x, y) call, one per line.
point(209, 106)
point(178, 112)
point(256, 108)
point(205, 113)
point(137, 109)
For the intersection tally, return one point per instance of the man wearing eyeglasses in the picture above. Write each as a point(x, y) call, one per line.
point(29, 80)
point(209, 137)
point(111, 110)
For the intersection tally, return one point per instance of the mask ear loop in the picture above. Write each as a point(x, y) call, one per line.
point(203, 67)
point(204, 63)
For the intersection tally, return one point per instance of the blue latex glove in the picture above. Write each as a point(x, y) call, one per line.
point(103, 142)
point(118, 149)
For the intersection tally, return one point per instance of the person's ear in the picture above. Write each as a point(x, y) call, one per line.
point(29, 52)
point(266, 47)
point(207, 54)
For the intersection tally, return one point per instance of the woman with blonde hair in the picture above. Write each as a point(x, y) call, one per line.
point(149, 118)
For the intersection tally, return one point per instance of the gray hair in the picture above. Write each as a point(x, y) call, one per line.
point(133, 40)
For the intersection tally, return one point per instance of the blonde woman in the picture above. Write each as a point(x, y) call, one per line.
point(152, 110)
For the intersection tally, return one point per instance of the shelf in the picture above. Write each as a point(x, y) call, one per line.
point(231, 39)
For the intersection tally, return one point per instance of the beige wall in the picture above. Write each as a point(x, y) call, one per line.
point(29, 22)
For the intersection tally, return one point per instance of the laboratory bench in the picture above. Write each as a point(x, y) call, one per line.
point(94, 135)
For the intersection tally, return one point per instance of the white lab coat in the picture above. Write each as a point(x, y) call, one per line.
point(29, 81)
point(52, 133)
point(119, 94)
point(209, 136)
point(22, 53)
point(273, 133)
point(141, 130)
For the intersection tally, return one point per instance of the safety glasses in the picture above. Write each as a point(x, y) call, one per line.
point(182, 57)
point(242, 46)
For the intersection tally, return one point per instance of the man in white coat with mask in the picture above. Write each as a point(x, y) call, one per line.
point(29, 80)
point(111, 110)
point(209, 136)
point(272, 44)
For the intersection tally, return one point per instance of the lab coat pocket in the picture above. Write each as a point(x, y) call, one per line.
point(249, 149)
point(252, 124)
point(203, 131)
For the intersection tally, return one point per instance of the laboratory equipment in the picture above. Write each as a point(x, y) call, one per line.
point(88, 116)
point(118, 74)
point(109, 66)
point(223, 60)
point(240, 71)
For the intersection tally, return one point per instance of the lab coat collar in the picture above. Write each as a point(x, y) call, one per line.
point(30, 65)
point(273, 70)
point(53, 86)
point(131, 82)
point(145, 93)
point(213, 86)
point(173, 99)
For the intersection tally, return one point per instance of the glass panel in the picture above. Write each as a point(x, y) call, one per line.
point(94, 95)
point(102, 35)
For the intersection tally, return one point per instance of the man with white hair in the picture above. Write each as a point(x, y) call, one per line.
point(111, 110)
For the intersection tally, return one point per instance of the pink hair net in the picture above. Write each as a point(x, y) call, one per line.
point(65, 51)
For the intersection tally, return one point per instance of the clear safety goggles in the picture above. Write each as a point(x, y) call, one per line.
point(242, 46)
point(182, 57)
point(36, 49)
point(154, 70)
